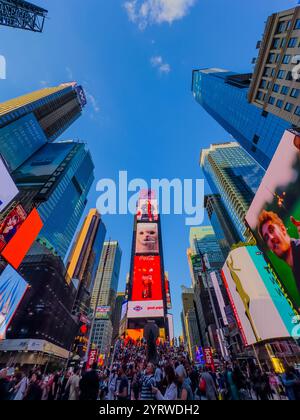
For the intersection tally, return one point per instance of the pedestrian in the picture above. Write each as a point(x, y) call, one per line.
point(290, 381)
point(185, 392)
point(89, 385)
point(34, 390)
point(72, 387)
point(122, 394)
point(210, 386)
point(147, 383)
point(172, 390)
point(21, 387)
point(4, 385)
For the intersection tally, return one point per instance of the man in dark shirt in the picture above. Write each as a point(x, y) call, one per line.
point(277, 239)
point(123, 391)
point(89, 385)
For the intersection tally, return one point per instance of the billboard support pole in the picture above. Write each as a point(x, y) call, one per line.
point(257, 358)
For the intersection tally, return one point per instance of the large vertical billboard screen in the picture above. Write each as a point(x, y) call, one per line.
point(21, 242)
point(147, 278)
point(12, 290)
point(274, 216)
point(147, 210)
point(147, 238)
point(261, 307)
point(8, 189)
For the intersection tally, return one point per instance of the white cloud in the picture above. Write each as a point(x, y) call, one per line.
point(93, 101)
point(149, 12)
point(158, 62)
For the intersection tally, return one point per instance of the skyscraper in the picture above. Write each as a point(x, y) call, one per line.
point(273, 87)
point(84, 260)
point(203, 239)
point(224, 95)
point(189, 320)
point(60, 176)
point(116, 316)
point(233, 174)
point(21, 14)
point(223, 227)
point(37, 118)
point(105, 293)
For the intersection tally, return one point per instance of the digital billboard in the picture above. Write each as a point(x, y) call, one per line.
point(168, 292)
point(12, 290)
point(260, 305)
point(274, 216)
point(147, 278)
point(147, 210)
point(147, 241)
point(11, 224)
point(142, 309)
point(21, 242)
point(102, 312)
point(8, 189)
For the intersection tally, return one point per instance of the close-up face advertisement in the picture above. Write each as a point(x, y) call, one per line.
point(149, 203)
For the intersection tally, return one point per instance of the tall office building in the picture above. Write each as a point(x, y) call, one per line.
point(273, 88)
point(224, 95)
point(235, 176)
point(224, 229)
point(105, 293)
point(34, 119)
point(203, 240)
point(21, 14)
point(189, 320)
point(84, 260)
point(60, 176)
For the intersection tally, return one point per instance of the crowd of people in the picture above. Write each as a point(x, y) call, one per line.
point(169, 376)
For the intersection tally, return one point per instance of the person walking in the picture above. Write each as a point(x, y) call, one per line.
point(89, 385)
point(172, 390)
point(34, 391)
point(73, 385)
point(210, 386)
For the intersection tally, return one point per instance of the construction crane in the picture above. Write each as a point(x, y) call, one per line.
point(21, 14)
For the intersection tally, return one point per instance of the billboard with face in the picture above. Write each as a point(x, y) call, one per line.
point(12, 290)
point(274, 216)
point(261, 306)
point(147, 241)
point(8, 189)
point(147, 278)
point(10, 225)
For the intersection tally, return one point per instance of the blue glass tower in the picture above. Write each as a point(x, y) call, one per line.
point(233, 174)
point(224, 95)
point(62, 174)
point(30, 121)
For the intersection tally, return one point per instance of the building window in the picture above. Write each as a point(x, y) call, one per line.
point(297, 25)
point(281, 74)
point(288, 107)
point(276, 43)
point(267, 72)
point(263, 84)
point(273, 72)
point(292, 43)
point(276, 88)
point(297, 111)
point(281, 27)
point(279, 103)
point(283, 43)
point(289, 24)
point(264, 114)
point(271, 58)
point(295, 93)
point(287, 59)
point(272, 100)
point(289, 76)
point(285, 90)
point(254, 149)
point(260, 96)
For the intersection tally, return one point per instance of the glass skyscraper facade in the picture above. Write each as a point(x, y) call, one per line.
point(63, 209)
point(233, 174)
point(204, 240)
point(224, 95)
point(37, 118)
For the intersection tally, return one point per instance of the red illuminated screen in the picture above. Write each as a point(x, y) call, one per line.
point(11, 224)
point(22, 241)
point(147, 280)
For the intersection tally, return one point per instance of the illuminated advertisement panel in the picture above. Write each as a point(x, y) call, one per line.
point(167, 290)
point(147, 280)
point(262, 308)
point(219, 296)
point(22, 241)
point(147, 241)
point(10, 225)
point(12, 290)
point(274, 216)
point(147, 210)
point(8, 189)
point(102, 312)
point(142, 309)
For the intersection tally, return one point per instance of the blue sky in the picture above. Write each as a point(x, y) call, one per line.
point(136, 69)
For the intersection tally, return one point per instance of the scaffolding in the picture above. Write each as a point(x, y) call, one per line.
point(21, 14)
